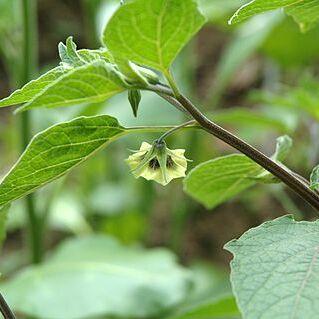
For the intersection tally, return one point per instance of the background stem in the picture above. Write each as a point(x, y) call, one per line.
point(28, 70)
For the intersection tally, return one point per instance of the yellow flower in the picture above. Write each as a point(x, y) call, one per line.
point(157, 162)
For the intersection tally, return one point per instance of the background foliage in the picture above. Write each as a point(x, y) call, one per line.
point(101, 229)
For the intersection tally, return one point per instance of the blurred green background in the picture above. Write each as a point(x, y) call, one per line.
point(258, 79)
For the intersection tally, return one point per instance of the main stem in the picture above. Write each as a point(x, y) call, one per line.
point(30, 53)
point(5, 309)
point(287, 177)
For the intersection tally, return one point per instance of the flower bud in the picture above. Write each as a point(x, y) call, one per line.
point(134, 97)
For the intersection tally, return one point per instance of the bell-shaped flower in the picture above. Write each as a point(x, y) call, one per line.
point(157, 162)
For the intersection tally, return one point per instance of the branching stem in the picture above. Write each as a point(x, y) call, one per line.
point(286, 176)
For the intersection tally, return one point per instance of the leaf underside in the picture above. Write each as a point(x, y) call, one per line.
point(275, 270)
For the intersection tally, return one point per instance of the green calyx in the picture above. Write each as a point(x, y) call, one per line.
point(157, 162)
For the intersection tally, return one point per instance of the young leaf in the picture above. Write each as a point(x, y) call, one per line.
point(305, 12)
point(90, 83)
point(55, 151)
point(134, 97)
point(97, 277)
point(152, 33)
point(215, 181)
point(283, 146)
point(72, 57)
point(68, 53)
point(314, 178)
point(275, 270)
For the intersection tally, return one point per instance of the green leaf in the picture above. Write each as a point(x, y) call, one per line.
point(27, 92)
point(314, 178)
point(96, 276)
point(222, 308)
point(71, 58)
point(68, 53)
point(275, 270)
point(305, 12)
point(55, 151)
point(283, 146)
point(220, 179)
point(90, 83)
point(152, 33)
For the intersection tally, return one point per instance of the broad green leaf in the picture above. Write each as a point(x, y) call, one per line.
point(217, 180)
point(275, 270)
point(259, 6)
point(27, 92)
point(314, 178)
point(283, 146)
point(305, 12)
point(152, 33)
point(70, 58)
point(96, 276)
point(223, 308)
point(90, 83)
point(55, 151)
